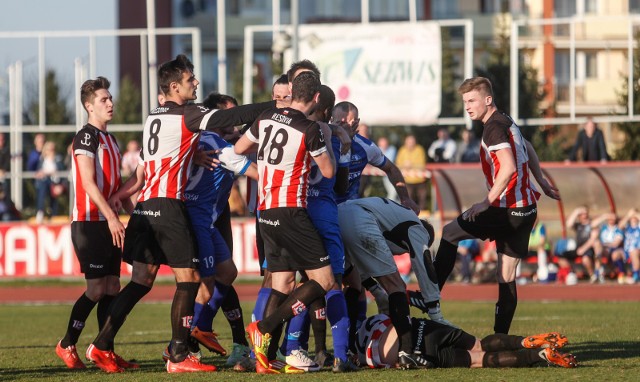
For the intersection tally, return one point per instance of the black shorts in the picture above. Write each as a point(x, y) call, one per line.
point(291, 241)
point(260, 247)
point(159, 232)
point(509, 227)
point(97, 255)
point(438, 342)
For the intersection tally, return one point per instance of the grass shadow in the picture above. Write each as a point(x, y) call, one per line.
point(602, 351)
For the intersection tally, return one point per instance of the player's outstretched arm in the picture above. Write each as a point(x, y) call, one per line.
point(395, 177)
point(534, 166)
point(238, 115)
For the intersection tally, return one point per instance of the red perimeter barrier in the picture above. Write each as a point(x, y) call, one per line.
point(46, 250)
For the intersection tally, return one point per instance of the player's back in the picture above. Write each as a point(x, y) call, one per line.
point(167, 149)
point(363, 152)
point(286, 142)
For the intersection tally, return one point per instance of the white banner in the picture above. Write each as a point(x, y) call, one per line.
point(390, 71)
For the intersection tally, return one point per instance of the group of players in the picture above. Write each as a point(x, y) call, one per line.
point(309, 158)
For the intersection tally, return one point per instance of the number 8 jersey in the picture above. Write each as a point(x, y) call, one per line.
point(170, 136)
point(286, 142)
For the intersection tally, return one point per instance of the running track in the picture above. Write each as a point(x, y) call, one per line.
point(453, 291)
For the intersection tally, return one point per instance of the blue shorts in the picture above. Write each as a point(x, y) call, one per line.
point(212, 249)
point(324, 216)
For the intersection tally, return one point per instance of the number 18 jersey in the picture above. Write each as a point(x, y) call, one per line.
point(286, 142)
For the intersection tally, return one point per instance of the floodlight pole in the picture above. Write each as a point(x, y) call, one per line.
point(152, 91)
point(222, 47)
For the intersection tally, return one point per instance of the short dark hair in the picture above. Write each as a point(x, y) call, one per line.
point(216, 100)
point(171, 71)
point(282, 80)
point(305, 86)
point(343, 108)
point(326, 100)
point(90, 87)
point(303, 64)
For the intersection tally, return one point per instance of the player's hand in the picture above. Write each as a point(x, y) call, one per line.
point(409, 203)
point(345, 140)
point(206, 159)
point(550, 190)
point(476, 210)
point(115, 204)
point(117, 231)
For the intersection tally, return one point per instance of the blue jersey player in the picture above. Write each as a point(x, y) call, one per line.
point(207, 196)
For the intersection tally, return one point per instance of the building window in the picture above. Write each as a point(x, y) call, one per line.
point(591, 65)
point(564, 8)
point(444, 9)
point(385, 9)
point(562, 75)
point(634, 6)
point(590, 6)
point(515, 7)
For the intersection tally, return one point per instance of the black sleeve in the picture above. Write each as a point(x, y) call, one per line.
point(85, 143)
point(314, 139)
point(495, 133)
point(238, 115)
point(342, 180)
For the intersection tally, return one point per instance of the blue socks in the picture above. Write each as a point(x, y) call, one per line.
point(339, 321)
point(297, 333)
point(261, 303)
point(203, 314)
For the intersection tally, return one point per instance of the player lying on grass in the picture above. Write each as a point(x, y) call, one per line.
point(445, 346)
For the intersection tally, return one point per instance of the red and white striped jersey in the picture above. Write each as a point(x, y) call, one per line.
point(500, 132)
point(103, 148)
point(286, 142)
point(368, 340)
point(170, 137)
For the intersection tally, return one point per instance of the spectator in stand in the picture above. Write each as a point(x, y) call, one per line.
point(48, 184)
point(468, 150)
point(5, 158)
point(587, 243)
point(612, 240)
point(467, 251)
point(390, 152)
point(8, 210)
point(412, 160)
point(443, 149)
point(629, 223)
point(130, 158)
point(36, 152)
point(590, 142)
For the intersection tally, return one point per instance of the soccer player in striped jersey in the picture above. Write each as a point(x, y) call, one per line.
point(286, 140)
point(509, 211)
point(159, 231)
point(444, 346)
point(96, 231)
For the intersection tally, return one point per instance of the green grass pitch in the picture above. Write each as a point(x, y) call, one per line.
point(604, 336)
